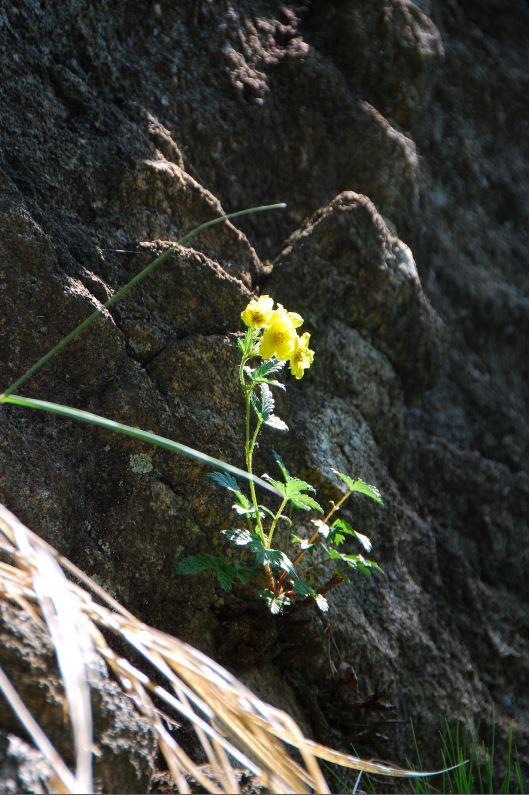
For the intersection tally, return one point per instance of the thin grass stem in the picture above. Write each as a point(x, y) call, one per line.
point(137, 433)
point(125, 289)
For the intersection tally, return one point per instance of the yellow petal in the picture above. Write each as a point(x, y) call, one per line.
point(258, 312)
point(295, 319)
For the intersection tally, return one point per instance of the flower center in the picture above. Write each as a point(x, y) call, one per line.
point(257, 316)
point(278, 337)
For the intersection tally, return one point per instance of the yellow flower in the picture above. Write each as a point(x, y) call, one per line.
point(301, 357)
point(280, 336)
point(258, 312)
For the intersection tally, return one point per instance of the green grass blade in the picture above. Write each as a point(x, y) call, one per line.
point(518, 772)
point(125, 289)
point(135, 433)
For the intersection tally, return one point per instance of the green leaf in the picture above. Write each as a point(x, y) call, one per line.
point(225, 572)
point(297, 486)
point(361, 564)
point(268, 367)
point(263, 404)
point(294, 489)
point(275, 422)
point(195, 564)
point(360, 486)
point(306, 502)
point(267, 402)
point(227, 482)
point(365, 541)
point(341, 528)
point(238, 537)
point(276, 603)
point(135, 433)
point(274, 557)
point(276, 384)
point(278, 486)
point(281, 465)
point(224, 480)
point(303, 589)
point(226, 576)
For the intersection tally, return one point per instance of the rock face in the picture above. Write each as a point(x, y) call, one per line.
point(396, 133)
point(125, 749)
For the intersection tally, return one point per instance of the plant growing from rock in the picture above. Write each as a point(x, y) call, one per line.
point(310, 561)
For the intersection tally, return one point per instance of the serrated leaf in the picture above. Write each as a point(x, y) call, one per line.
point(280, 487)
point(196, 564)
point(303, 589)
point(237, 536)
point(275, 603)
point(279, 461)
point(226, 573)
point(267, 402)
point(256, 405)
point(297, 486)
point(361, 564)
point(226, 577)
point(268, 367)
point(274, 557)
point(275, 422)
point(341, 528)
point(224, 480)
point(322, 603)
point(276, 384)
point(360, 486)
point(306, 503)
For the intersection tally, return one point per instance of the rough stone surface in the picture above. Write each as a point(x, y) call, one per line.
point(124, 750)
point(396, 133)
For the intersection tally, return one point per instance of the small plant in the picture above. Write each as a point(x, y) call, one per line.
point(482, 773)
point(316, 564)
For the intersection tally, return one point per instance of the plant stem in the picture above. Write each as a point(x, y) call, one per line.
point(315, 534)
point(249, 444)
point(274, 522)
point(248, 459)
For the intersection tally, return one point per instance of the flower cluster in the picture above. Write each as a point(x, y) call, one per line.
point(279, 338)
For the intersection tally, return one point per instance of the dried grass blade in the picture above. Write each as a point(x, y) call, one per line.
point(64, 776)
point(66, 624)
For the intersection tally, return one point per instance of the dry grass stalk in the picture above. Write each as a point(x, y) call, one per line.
point(234, 727)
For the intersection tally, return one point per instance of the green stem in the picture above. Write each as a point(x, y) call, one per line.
point(248, 452)
point(125, 289)
point(274, 522)
point(249, 444)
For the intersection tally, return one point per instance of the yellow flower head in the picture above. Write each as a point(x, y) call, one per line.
point(301, 357)
point(280, 335)
point(258, 312)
